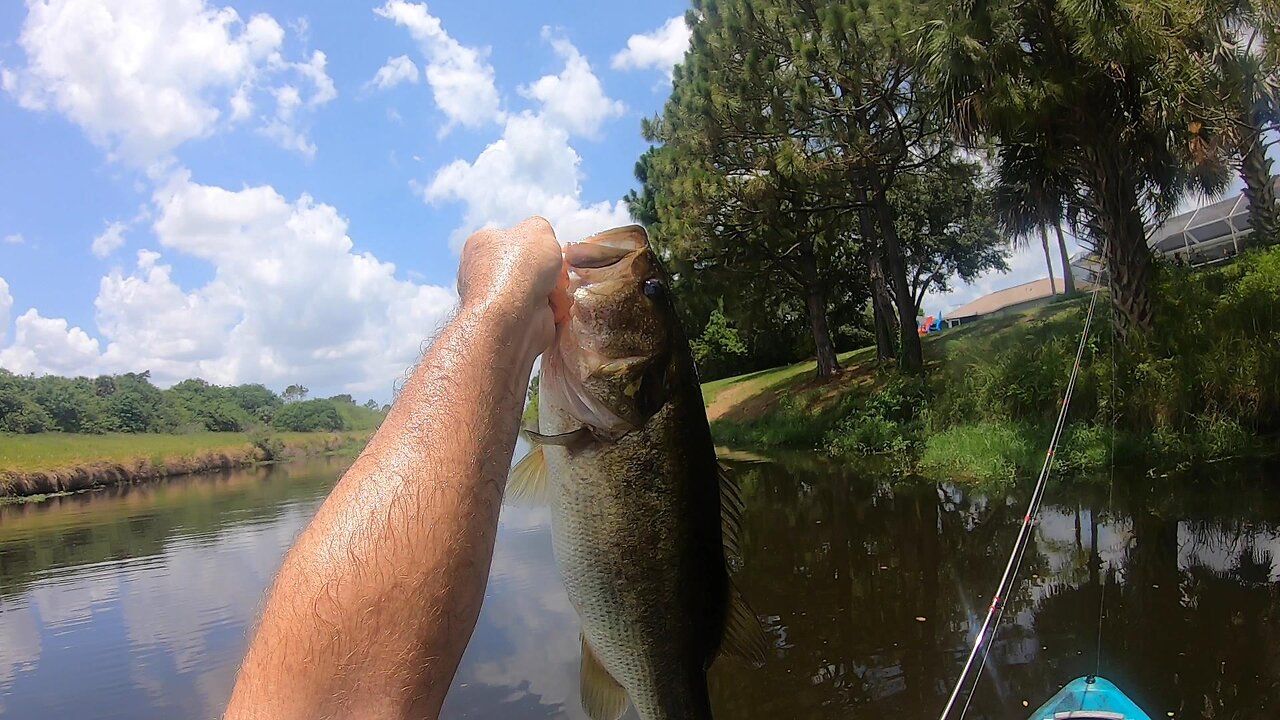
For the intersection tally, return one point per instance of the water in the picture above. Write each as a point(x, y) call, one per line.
point(135, 602)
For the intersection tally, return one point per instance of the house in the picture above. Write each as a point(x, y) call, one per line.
point(1004, 302)
point(1210, 234)
point(1207, 235)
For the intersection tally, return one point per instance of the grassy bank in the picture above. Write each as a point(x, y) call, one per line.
point(1206, 387)
point(47, 463)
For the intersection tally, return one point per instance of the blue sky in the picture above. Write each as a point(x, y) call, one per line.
point(251, 191)
point(182, 177)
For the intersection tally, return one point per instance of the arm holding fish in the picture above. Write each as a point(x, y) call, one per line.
point(377, 600)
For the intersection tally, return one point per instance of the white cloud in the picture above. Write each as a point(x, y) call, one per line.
point(281, 128)
point(153, 324)
point(19, 643)
point(49, 345)
point(109, 240)
point(141, 77)
point(291, 300)
point(661, 49)
point(398, 70)
point(6, 306)
point(13, 239)
point(574, 99)
point(530, 170)
point(314, 70)
point(461, 79)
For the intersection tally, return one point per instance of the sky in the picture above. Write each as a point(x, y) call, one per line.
point(276, 191)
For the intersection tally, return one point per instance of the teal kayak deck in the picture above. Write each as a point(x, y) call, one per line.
point(1089, 698)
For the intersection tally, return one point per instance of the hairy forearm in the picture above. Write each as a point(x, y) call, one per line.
point(375, 604)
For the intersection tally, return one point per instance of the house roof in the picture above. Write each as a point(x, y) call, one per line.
point(1204, 224)
point(1000, 299)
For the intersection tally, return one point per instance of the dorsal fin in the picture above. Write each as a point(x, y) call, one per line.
point(731, 509)
point(743, 636)
point(602, 697)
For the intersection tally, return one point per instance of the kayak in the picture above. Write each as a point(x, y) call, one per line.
point(1090, 698)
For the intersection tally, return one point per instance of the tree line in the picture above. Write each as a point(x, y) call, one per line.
point(821, 165)
point(130, 403)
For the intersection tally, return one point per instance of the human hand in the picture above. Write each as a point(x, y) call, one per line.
point(517, 275)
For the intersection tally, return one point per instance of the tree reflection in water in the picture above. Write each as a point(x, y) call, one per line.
point(872, 588)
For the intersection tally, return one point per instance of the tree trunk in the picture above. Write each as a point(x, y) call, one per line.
point(881, 303)
point(1048, 259)
point(882, 310)
point(911, 360)
point(815, 300)
point(1068, 276)
point(1117, 225)
point(1255, 170)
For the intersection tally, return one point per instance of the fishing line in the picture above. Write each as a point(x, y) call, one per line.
point(1111, 490)
point(995, 612)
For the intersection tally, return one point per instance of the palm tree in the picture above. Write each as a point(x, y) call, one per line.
point(1030, 195)
point(1101, 86)
point(1246, 62)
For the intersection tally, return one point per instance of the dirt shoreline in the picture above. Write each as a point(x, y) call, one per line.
point(16, 485)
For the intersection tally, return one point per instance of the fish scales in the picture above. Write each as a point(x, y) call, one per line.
point(636, 533)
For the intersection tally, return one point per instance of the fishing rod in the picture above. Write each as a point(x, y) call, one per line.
point(995, 612)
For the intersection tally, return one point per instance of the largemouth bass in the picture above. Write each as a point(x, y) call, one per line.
point(642, 512)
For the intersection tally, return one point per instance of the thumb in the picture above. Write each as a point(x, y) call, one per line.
point(561, 304)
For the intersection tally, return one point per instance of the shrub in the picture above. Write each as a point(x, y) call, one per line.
point(865, 435)
point(986, 452)
point(719, 349)
point(308, 416)
point(884, 422)
point(270, 447)
point(21, 414)
point(1084, 448)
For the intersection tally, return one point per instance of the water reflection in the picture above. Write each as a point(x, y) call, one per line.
point(523, 658)
point(135, 602)
point(876, 589)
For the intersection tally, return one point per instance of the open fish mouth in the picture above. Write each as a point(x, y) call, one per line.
point(598, 265)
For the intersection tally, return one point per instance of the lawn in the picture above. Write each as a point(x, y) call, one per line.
point(53, 451)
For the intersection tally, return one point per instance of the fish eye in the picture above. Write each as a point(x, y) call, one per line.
point(652, 288)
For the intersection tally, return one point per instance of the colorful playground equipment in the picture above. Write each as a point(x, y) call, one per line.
point(931, 324)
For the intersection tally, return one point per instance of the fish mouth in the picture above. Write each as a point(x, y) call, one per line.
point(598, 266)
point(607, 248)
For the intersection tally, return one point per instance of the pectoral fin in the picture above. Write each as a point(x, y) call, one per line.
point(569, 439)
point(602, 697)
point(527, 483)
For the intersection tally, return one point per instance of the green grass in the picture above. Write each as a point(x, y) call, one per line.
point(765, 379)
point(53, 451)
point(987, 452)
